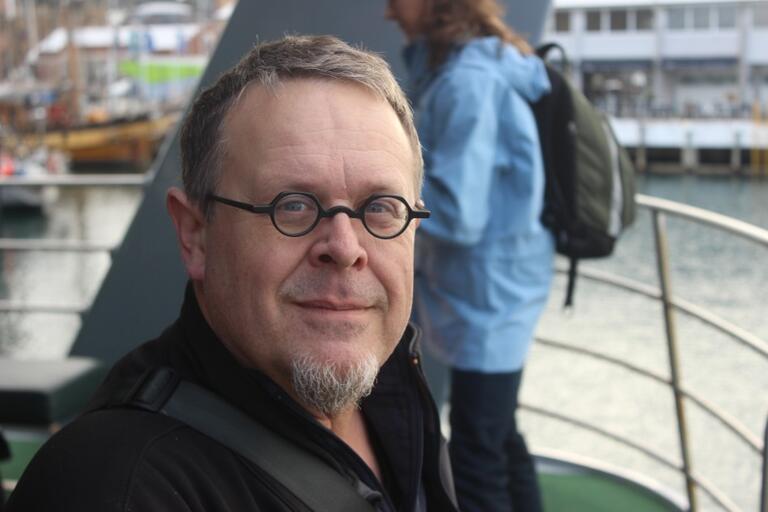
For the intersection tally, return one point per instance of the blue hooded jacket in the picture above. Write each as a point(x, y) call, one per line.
point(484, 262)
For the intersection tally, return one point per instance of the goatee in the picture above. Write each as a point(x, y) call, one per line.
point(330, 387)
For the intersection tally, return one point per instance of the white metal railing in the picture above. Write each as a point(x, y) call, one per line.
point(64, 245)
point(660, 209)
point(764, 483)
point(78, 180)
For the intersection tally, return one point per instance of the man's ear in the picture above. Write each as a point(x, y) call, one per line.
point(420, 205)
point(190, 231)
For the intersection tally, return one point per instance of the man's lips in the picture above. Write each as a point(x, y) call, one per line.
point(331, 305)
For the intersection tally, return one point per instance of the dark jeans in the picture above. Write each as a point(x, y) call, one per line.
point(492, 468)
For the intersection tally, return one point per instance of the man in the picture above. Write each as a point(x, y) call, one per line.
point(297, 308)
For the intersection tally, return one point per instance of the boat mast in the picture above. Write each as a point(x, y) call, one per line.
point(32, 37)
point(73, 65)
point(38, 111)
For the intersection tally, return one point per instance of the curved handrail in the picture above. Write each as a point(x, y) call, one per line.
point(659, 212)
point(692, 213)
point(78, 180)
point(728, 421)
point(659, 457)
point(52, 245)
point(11, 306)
point(764, 490)
point(745, 337)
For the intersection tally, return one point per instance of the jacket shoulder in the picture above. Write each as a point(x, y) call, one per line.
point(90, 464)
point(124, 459)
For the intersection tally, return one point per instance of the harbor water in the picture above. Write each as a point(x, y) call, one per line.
point(712, 269)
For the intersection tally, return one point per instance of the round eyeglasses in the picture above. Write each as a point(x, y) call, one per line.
point(297, 213)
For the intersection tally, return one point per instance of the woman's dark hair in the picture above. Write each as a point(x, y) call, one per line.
point(453, 22)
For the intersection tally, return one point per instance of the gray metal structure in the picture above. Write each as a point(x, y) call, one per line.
point(142, 292)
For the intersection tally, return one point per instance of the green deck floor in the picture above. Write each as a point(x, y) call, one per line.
point(22, 452)
point(588, 492)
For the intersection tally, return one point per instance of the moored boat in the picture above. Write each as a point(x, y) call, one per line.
point(36, 166)
point(132, 142)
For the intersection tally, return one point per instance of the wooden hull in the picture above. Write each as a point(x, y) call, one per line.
point(131, 142)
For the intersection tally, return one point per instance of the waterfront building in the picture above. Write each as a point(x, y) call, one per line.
point(691, 58)
point(684, 81)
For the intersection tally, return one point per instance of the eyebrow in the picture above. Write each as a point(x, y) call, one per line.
point(315, 187)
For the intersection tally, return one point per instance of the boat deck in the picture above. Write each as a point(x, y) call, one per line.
point(595, 493)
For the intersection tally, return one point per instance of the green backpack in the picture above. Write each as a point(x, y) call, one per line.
point(590, 180)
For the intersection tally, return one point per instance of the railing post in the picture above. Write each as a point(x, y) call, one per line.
point(764, 491)
point(662, 260)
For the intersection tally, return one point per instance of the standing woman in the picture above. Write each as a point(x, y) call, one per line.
point(484, 260)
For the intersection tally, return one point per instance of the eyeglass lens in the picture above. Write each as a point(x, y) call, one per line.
point(383, 216)
point(295, 213)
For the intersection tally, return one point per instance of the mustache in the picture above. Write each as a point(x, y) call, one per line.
point(318, 286)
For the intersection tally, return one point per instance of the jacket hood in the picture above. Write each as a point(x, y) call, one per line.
point(526, 74)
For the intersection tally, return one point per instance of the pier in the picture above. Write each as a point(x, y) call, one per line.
point(701, 146)
point(685, 81)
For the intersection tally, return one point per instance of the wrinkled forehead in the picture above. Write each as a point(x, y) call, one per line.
point(317, 124)
point(294, 114)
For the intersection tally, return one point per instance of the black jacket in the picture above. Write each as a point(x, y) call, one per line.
point(115, 458)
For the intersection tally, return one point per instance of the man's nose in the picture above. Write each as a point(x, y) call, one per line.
point(339, 242)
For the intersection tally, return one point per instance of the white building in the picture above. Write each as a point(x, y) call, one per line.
point(693, 58)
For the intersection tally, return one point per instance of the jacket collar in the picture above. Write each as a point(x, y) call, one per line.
point(394, 410)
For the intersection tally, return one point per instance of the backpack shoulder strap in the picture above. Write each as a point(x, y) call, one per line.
point(319, 486)
point(543, 50)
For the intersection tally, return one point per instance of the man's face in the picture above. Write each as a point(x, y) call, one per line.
point(337, 294)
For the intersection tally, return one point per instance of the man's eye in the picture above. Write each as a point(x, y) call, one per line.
point(293, 206)
point(296, 204)
point(382, 206)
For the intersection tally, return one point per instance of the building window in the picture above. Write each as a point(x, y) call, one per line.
point(644, 19)
point(701, 17)
point(618, 20)
point(593, 21)
point(726, 16)
point(676, 18)
point(563, 21)
point(760, 15)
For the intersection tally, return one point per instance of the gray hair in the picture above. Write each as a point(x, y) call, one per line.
point(323, 57)
point(331, 387)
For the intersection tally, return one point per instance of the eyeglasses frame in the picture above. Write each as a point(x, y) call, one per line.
point(322, 212)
